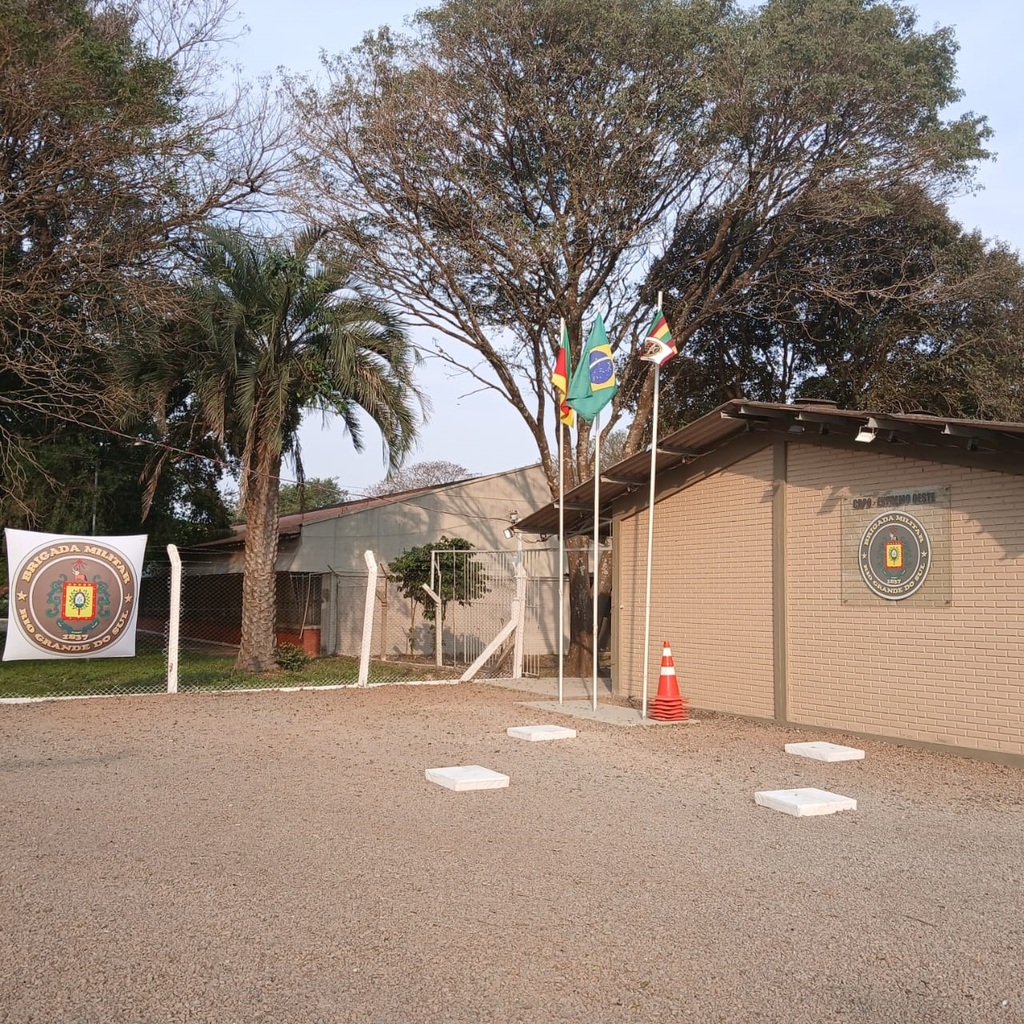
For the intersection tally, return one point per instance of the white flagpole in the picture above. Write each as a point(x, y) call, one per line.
point(597, 541)
point(650, 528)
point(561, 531)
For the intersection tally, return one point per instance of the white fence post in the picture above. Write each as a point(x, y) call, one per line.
point(438, 626)
point(174, 619)
point(368, 610)
point(519, 614)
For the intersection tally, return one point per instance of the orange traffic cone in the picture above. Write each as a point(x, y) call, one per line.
point(669, 706)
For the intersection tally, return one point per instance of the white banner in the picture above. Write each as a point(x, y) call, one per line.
point(72, 597)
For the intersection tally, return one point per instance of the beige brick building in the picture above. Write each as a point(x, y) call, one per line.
point(830, 569)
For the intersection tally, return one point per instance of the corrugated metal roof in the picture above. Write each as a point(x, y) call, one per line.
point(804, 420)
point(291, 525)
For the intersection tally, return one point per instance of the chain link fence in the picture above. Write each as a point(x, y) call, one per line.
point(146, 672)
point(332, 629)
point(470, 598)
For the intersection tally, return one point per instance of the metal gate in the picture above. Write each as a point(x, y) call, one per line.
point(477, 589)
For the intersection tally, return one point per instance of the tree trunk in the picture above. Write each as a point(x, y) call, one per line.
point(259, 582)
point(604, 599)
point(579, 657)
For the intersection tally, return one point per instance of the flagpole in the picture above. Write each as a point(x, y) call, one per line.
point(597, 538)
point(592, 387)
point(650, 529)
point(561, 537)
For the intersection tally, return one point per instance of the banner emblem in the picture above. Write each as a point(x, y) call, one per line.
point(72, 596)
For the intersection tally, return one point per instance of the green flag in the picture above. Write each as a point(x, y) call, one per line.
point(593, 384)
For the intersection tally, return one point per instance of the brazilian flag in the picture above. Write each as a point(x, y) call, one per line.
point(593, 385)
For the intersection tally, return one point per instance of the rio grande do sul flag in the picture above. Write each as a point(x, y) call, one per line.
point(560, 379)
point(72, 596)
point(658, 346)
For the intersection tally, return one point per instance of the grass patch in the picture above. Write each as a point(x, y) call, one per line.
point(147, 673)
point(193, 675)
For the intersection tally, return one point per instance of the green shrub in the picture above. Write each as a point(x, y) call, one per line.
point(291, 658)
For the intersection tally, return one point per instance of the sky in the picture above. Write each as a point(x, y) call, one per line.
point(479, 430)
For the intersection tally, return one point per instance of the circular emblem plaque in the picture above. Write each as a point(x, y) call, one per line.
point(73, 597)
point(895, 555)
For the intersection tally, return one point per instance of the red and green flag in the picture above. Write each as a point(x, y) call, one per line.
point(658, 345)
point(560, 378)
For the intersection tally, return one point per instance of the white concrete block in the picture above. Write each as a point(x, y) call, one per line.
point(466, 777)
point(825, 751)
point(804, 802)
point(536, 733)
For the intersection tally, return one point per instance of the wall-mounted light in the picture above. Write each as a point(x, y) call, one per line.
point(513, 518)
point(865, 434)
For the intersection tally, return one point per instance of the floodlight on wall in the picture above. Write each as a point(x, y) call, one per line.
point(513, 518)
point(865, 434)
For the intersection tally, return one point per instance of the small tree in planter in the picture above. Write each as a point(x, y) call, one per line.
point(458, 579)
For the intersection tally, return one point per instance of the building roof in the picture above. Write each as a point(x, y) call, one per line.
point(984, 443)
point(291, 525)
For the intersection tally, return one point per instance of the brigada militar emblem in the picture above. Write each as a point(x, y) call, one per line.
point(73, 596)
point(895, 555)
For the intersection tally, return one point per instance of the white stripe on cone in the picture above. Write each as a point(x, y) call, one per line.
point(667, 664)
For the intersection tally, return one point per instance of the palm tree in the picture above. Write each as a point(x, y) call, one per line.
point(278, 332)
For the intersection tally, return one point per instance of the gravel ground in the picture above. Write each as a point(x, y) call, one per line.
point(279, 857)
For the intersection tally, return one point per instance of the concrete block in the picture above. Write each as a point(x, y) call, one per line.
point(462, 778)
point(820, 751)
point(537, 733)
point(803, 803)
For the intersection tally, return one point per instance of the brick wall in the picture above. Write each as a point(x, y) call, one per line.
point(943, 667)
point(711, 591)
point(950, 674)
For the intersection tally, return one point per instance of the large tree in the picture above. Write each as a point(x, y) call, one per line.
point(914, 313)
point(507, 165)
point(116, 139)
point(85, 481)
point(419, 474)
point(311, 493)
point(970, 360)
point(278, 332)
